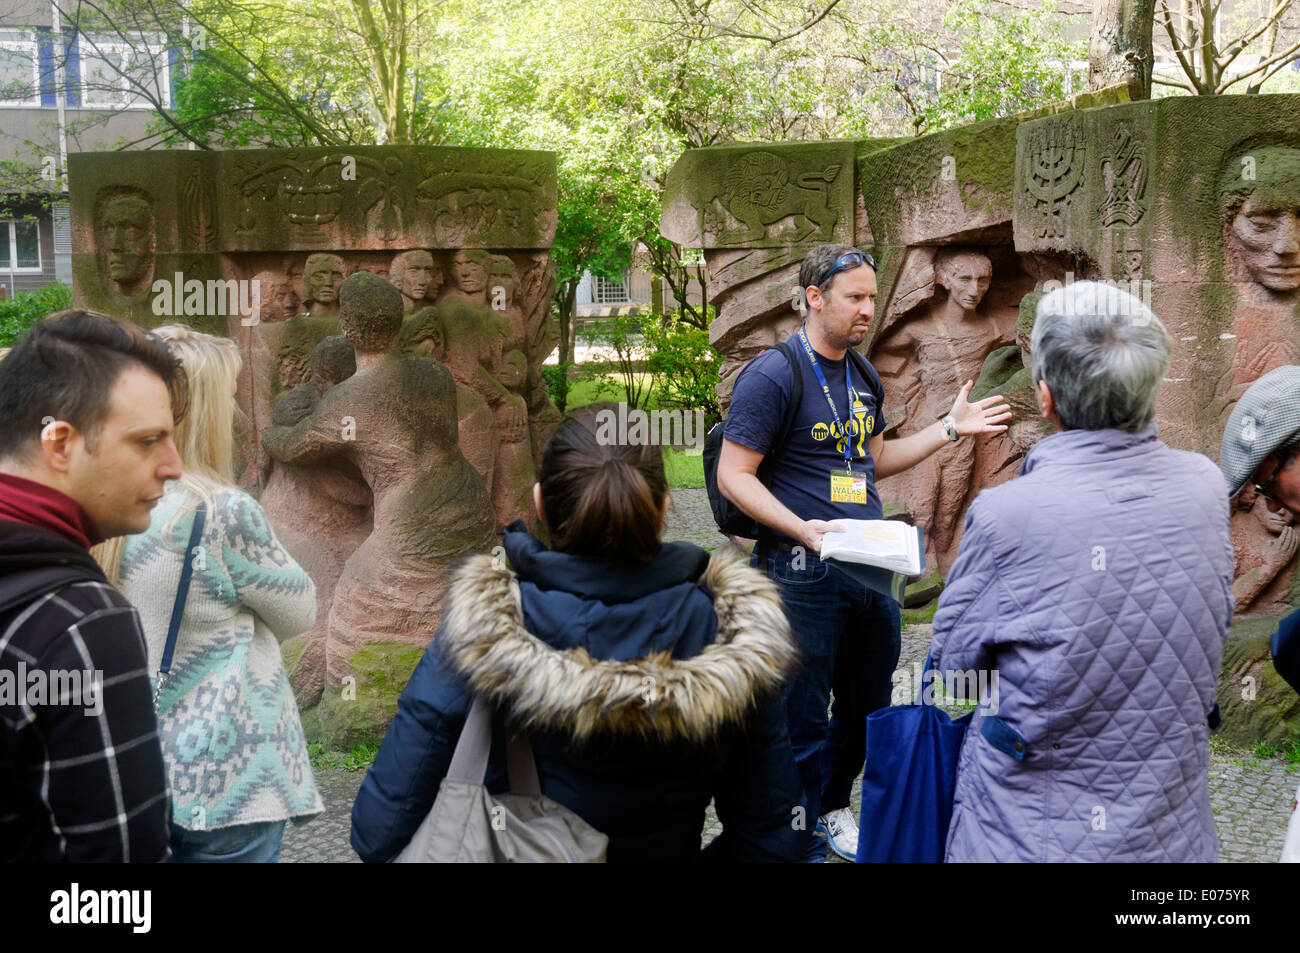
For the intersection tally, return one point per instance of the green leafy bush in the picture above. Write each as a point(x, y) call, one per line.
point(686, 365)
point(623, 337)
point(23, 310)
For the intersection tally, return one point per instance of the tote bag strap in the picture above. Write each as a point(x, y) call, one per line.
point(470, 759)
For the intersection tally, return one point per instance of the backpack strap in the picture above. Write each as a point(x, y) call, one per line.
point(871, 377)
point(791, 408)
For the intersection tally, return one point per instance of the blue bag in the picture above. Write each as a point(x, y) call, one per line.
point(909, 783)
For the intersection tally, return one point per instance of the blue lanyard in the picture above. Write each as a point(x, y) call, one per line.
point(848, 395)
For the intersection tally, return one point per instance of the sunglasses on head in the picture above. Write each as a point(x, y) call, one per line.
point(846, 261)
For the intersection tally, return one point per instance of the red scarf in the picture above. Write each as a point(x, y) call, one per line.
point(26, 501)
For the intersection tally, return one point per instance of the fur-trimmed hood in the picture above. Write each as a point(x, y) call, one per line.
point(484, 640)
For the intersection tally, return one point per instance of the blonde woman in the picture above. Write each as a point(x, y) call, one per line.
point(236, 759)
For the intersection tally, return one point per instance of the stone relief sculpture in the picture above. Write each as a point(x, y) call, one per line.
point(394, 420)
point(278, 294)
point(322, 513)
point(924, 360)
point(1055, 164)
point(471, 336)
point(1265, 544)
point(758, 192)
point(322, 278)
point(125, 233)
point(299, 222)
point(418, 276)
point(1124, 172)
point(1259, 191)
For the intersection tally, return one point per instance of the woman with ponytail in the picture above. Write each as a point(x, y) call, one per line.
point(647, 676)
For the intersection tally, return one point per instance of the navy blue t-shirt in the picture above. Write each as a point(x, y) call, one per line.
point(801, 475)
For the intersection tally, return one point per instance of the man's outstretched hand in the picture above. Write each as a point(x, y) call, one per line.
point(983, 416)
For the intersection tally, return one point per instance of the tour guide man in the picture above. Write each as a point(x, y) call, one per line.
point(826, 470)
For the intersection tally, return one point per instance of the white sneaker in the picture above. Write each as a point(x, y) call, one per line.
point(841, 830)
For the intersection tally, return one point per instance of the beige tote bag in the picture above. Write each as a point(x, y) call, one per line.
point(469, 825)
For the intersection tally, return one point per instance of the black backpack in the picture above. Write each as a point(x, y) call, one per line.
point(731, 519)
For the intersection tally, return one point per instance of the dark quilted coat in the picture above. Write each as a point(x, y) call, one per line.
point(1096, 586)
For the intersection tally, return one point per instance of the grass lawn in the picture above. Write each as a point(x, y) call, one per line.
point(583, 392)
point(684, 468)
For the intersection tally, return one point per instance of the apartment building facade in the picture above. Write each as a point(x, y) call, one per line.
point(63, 90)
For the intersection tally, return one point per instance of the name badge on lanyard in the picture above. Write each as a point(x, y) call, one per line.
point(848, 487)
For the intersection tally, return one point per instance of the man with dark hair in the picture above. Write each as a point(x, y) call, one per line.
point(826, 469)
point(88, 405)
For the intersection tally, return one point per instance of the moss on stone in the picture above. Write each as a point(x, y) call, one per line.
point(291, 651)
point(1273, 714)
point(998, 368)
point(382, 671)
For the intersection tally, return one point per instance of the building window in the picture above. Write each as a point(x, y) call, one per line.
point(20, 246)
point(113, 74)
point(611, 290)
point(19, 78)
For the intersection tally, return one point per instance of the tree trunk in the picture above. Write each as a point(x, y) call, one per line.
point(568, 299)
point(1120, 48)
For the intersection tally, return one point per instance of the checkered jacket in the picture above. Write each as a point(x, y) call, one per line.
point(81, 768)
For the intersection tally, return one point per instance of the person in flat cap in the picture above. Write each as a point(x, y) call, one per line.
point(1260, 447)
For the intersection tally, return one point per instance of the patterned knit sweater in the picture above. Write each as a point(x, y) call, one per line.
point(230, 730)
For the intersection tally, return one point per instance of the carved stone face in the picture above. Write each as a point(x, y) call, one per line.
point(1266, 237)
point(966, 277)
point(284, 299)
point(503, 277)
point(324, 277)
point(469, 273)
point(419, 278)
point(128, 236)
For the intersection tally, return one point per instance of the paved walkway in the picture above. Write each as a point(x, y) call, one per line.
point(1251, 798)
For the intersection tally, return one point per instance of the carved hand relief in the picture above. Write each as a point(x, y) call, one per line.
point(761, 190)
point(1054, 169)
point(1124, 173)
point(125, 239)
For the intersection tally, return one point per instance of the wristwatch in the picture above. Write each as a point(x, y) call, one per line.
point(950, 428)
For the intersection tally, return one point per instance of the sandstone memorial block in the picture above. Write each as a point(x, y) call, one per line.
point(1192, 204)
point(437, 421)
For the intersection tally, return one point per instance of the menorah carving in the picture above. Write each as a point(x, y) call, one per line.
point(1054, 170)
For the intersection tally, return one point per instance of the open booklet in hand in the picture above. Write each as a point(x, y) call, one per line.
point(881, 554)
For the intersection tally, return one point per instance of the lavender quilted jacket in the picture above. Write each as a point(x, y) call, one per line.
point(1096, 586)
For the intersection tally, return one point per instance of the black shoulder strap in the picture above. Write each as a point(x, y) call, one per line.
point(796, 398)
point(23, 587)
point(868, 374)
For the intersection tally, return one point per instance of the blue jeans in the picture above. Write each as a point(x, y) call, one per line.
point(850, 637)
point(240, 844)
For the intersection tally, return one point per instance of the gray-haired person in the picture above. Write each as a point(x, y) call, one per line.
point(1096, 588)
point(1260, 446)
